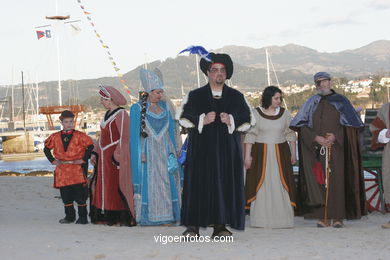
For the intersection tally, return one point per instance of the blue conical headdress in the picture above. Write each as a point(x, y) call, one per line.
point(150, 80)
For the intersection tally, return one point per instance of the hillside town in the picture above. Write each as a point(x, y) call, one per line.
point(361, 87)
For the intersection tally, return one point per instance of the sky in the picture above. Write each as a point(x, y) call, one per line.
point(143, 31)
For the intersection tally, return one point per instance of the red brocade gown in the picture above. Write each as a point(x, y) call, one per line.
point(111, 186)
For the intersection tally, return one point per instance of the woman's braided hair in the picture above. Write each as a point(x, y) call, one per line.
point(143, 96)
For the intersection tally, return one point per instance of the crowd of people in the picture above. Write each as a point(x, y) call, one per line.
point(237, 159)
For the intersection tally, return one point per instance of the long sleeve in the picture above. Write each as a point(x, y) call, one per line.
point(49, 145)
point(122, 154)
point(173, 133)
point(339, 134)
point(48, 154)
point(382, 136)
point(250, 136)
point(309, 135)
point(186, 114)
point(174, 123)
point(243, 119)
point(88, 153)
point(135, 145)
point(96, 147)
point(176, 140)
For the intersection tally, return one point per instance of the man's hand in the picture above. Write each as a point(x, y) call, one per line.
point(321, 140)
point(388, 133)
point(209, 118)
point(225, 118)
point(330, 138)
point(143, 157)
point(93, 159)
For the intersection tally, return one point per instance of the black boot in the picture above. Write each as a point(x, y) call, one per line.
point(191, 231)
point(70, 215)
point(83, 213)
point(220, 231)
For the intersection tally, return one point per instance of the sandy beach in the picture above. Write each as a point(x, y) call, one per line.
point(30, 209)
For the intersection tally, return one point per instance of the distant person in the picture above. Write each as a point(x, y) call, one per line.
point(328, 128)
point(155, 143)
point(270, 151)
point(215, 115)
point(112, 187)
point(71, 150)
point(380, 129)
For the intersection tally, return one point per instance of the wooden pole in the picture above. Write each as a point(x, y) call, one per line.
point(329, 153)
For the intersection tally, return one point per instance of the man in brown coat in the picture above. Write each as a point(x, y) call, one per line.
point(328, 139)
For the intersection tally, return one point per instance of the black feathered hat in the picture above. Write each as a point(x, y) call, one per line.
point(218, 58)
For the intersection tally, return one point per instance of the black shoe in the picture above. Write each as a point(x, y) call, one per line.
point(83, 215)
point(221, 231)
point(70, 215)
point(66, 221)
point(191, 231)
point(82, 221)
point(338, 224)
point(321, 224)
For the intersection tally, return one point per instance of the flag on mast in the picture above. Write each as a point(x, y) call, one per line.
point(40, 34)
point(43, 34)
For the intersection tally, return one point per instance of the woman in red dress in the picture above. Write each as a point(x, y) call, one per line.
point(111, 187)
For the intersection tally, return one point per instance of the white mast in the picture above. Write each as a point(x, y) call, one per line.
point(58, 58)
point(182, 90)
point(59, 71)
point(146, 61)
point(37, 94)
point(12, 94)
point(268, 74)
point(197, 69)
point(268, 57)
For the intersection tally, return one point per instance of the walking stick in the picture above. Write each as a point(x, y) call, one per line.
point(328, 155)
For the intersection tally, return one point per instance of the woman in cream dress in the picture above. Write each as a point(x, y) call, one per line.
point(270, 188)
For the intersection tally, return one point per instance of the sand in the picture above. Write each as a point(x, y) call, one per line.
point(30, 209)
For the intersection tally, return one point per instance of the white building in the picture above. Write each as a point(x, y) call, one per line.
point(384, 81)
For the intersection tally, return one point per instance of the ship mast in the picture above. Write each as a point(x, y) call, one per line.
point(268, 74)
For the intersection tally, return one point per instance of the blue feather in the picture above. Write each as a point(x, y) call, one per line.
point(201, 51)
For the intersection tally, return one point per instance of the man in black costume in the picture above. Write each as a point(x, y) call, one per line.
point(215, 114)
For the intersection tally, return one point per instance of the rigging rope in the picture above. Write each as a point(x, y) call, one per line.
point(107, 49)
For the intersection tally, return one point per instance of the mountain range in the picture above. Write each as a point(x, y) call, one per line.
point(292, 64)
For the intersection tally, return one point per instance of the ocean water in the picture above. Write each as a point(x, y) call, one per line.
point(38, 164)
point(42, 164)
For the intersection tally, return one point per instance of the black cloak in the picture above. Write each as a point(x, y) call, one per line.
point(213, 190)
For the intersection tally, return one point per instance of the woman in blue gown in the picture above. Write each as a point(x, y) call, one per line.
point(154, 143)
